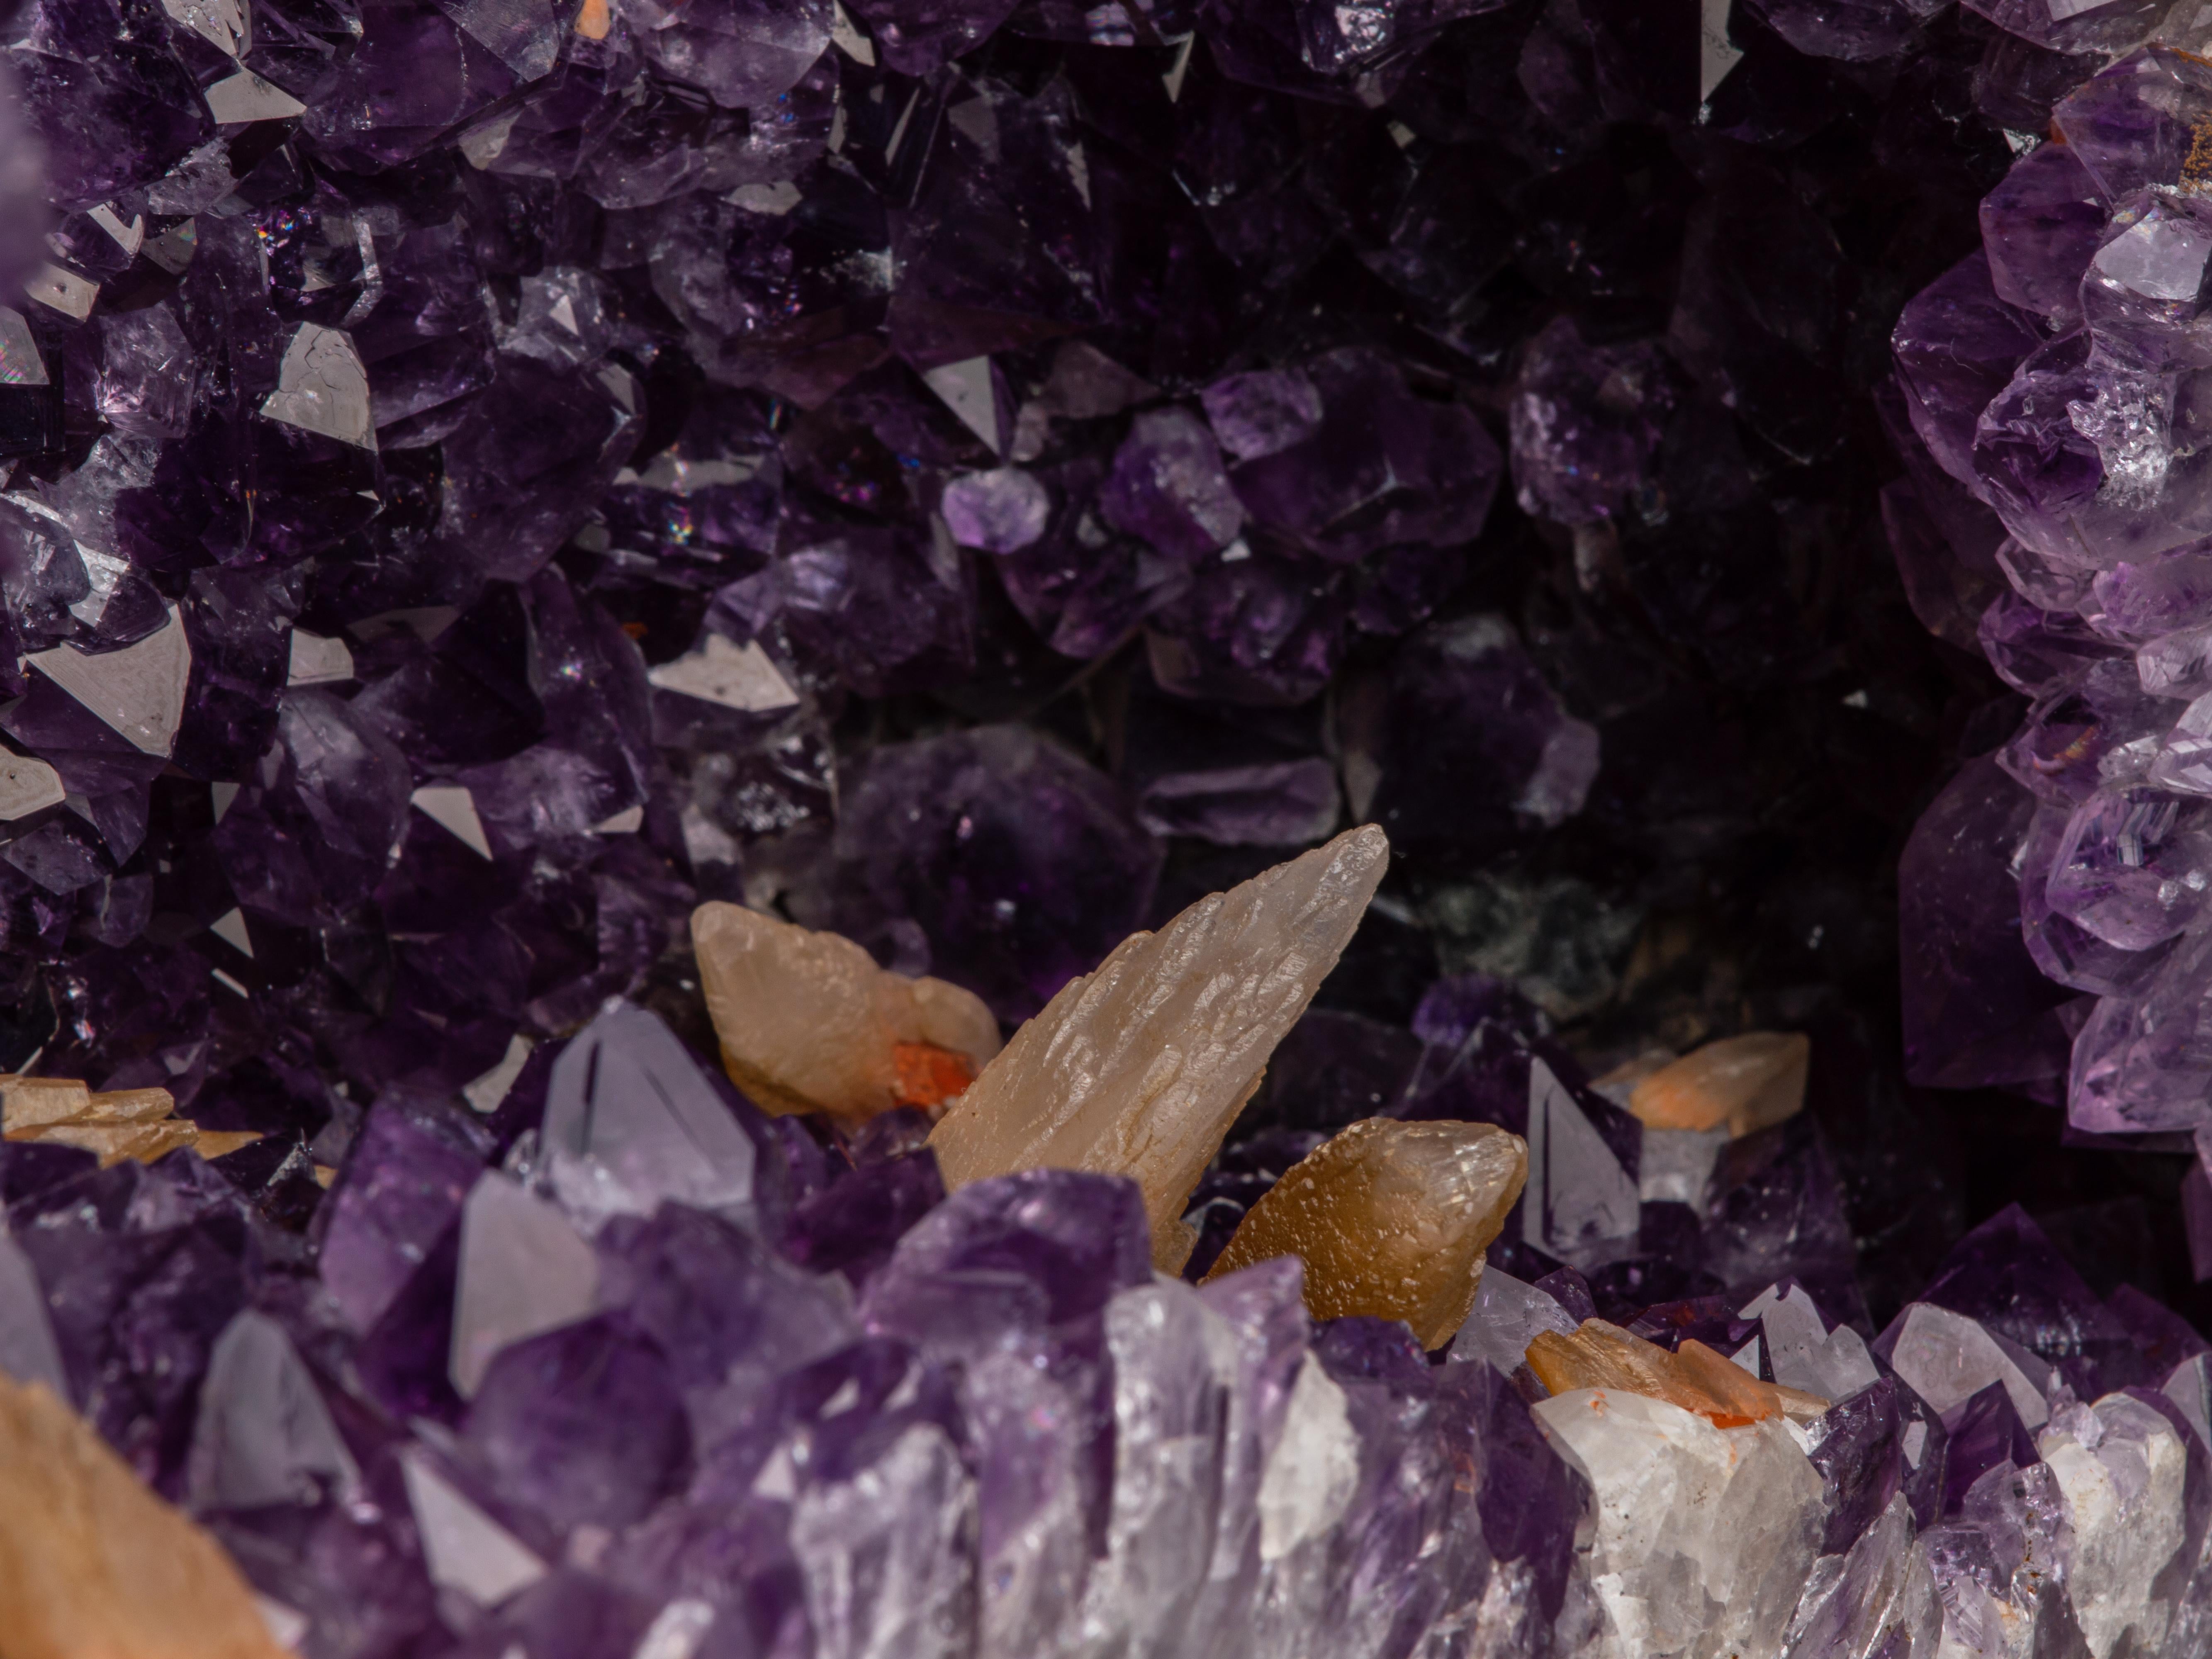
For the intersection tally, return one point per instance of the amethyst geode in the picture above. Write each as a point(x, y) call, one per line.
point(477, 480)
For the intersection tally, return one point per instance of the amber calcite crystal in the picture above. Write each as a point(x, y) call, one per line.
point(1696, 1378)
point(119, 1123)
point(1391, 1220)
point(93, 1566)
point(1138, 1067)
point(809, 1022)
point(1741, 1084)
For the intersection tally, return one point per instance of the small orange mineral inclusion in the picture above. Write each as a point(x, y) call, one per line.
point(1695, 1377)
point(1741, 1084)
point(928, 1076)
point(594, 20)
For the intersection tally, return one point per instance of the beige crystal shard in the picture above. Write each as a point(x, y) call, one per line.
point(120, 1123)
point(1140, 1068)
point(808, 1023)
point(93, 1566)
point(1742, 1084)
point(1391, 1220)
point(1697, 1379)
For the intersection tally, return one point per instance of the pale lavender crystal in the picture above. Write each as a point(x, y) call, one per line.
point(2143, 602)
point(2038, 650)
point(740, 55)
point(2040, 228)
point(1854, 31)
point(1586, 423)
point(401, 1190)
point(1262, 412)
point(2135, 125)
point(2141, 294)
point(2066, 952)
point(2111, 26)
point(2143, 1061)
point(2124, 867)
point(1002, 510)
point(1168, 487)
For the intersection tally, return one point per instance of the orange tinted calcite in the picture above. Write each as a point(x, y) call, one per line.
point(121, 1123)
point(1602, 1356)
point(93, 1566)
point(1391, 1220)
point(809, 1022)
point(1742, 1084)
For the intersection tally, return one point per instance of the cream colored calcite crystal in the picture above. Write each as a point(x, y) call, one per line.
point(1391, 1220)
point(1741, 1084)
point(1140, 1068)
point(117, 1124)
point(808, 1023)
point(93, 1566)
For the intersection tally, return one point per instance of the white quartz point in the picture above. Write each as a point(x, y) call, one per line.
point(1947, 1359)
point(524, 1269)
point(465, 1549)
point(2122, 1467)
point(1701, 1539)
point(21, 361)
point(2190, 1388)
point(966, 389)
point(885, 1556)
point(319, 662)
point(631, 1122)
point(1579, 1202)
point(139, 692)
point(1806, 1354)
point(244, 96)
point(1140, 1068)
point(28, 786)
point(28, 1352)
point(1314, 1470)
point(1505, 1319)
point(322, 387)
point(450, 806)
point(221, 23)
point(264, 1435)
point(1877, 1598)
point(740, 676)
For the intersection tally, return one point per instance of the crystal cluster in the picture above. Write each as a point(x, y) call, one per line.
point(2047, 388)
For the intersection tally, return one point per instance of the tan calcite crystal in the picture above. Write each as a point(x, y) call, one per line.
point(1696, 1378)
point(93, 1566)
point(1391, 1220)
point(120, 1123)
point(1742, 1084)
point(1138, 1067)
point(808, 1023)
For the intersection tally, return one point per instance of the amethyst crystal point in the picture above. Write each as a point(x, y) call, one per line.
point(1976, 1010)
point(1382, 467)
point(264, 1435)
point(1001, 511)
point(1019, 865)
point(712, 1297)
point(1022, 1254)
point(1988, 1432)
point(632, 1123)
point(523, 1270)
point(402, 1188)
point(1466, 703)
point(2008, 1275)
point(582, 1425)
point(1168, 488)
point(1586, 425)
point(1956, 346)
point(853, 1225)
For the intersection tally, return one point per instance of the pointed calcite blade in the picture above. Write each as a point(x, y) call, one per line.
point(92, 1564)
point(1391, 1220)
point(1140, 1068)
